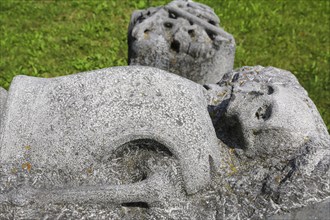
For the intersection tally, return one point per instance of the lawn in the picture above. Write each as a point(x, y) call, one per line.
point(55, 38)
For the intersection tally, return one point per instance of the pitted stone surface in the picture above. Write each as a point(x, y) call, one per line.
point(142, 179)
point(279, 144)
point(73, 121)
point(269, 110)
point(182, 37)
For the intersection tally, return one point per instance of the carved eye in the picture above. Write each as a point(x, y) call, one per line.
point(168, 25)
point(264, 112)
point(191, 33)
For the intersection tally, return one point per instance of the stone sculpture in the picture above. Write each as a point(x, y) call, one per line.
point(102, 110)
point(141, 143)
point(182, 37)
point(266, 112)
point(279, 142)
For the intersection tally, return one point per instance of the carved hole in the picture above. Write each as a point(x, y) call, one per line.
point(270, 90)
point(206, 87)
point(191, 23)
point(168, 24)
point(191, 33)
point(136, 205)
point(264, 112)
point(146, 31)
point(140, 19)
point(172, 15)
point(211, 34)
point(212, 22)
point(256, 93)
point(175, 45)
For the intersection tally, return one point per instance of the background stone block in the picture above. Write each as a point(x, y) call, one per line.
point(182, 37)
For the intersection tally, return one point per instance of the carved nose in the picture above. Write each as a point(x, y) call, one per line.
point(101, 110)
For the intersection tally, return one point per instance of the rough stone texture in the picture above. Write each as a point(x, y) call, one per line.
point(268, 107)
point(3, 98)
point(80, 119)
point(279, 143)
point(63, 167)
point(138, 143)
point(182, 37)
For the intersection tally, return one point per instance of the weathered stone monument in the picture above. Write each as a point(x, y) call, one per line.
point(182, 37)
point(142, 143)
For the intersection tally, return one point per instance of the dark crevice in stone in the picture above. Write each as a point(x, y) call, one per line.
point(211, 34)
point(228, 127)
point(168, 25)
point(144, 176)
point(136, 205)
point(270, 90)
point(212, 22)
point(293, 167)
point(264, 112)
point(140, 144)
point(191, 33)
point(172, 15)
point(256, 93)
point(206, 87)
point(231, 133)
point(235, 78)
point(175, 45)
point(140, 19)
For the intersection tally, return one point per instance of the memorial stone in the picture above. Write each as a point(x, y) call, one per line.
point(182, 37)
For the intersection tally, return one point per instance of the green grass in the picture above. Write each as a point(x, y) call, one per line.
point(55, 38)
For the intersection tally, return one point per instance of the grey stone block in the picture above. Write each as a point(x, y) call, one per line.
point(68, 123)
point(182, 37)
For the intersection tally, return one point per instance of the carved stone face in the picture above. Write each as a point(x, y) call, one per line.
point(268, 113)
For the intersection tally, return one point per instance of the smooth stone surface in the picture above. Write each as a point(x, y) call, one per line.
point(72, 121)
point(182, 37)
point(317, 211)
